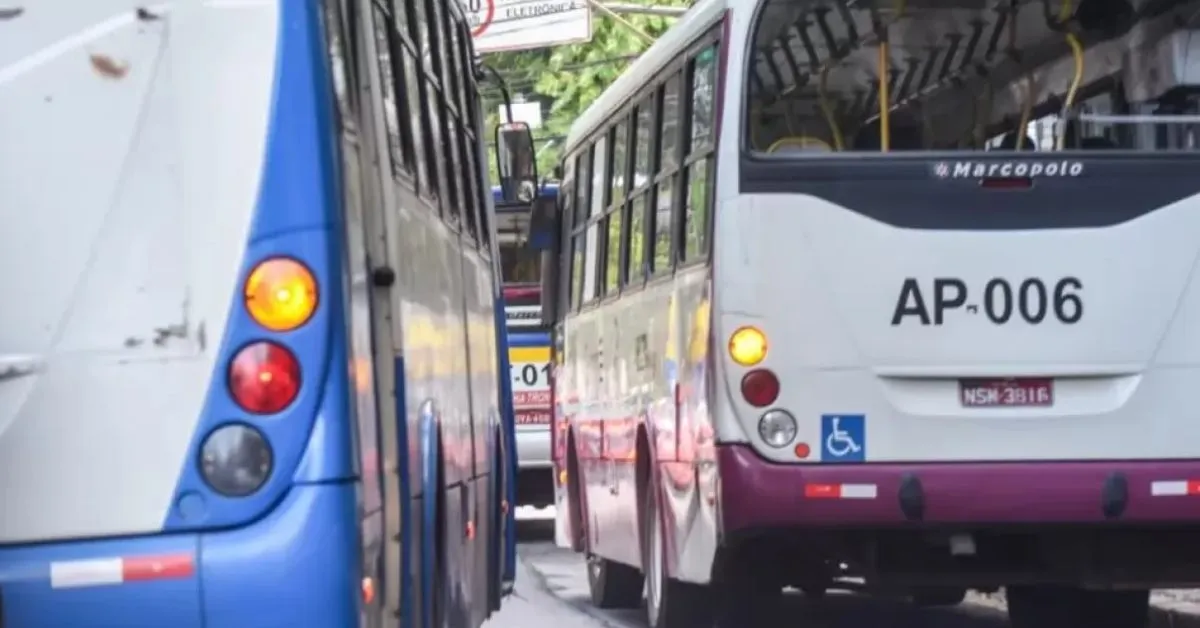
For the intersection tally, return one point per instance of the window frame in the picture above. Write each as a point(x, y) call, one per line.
point(696, 154)
point(652, 96)
point(401, 157)
point(617, 205)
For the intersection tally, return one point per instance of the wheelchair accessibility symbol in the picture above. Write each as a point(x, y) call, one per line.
point(843, 437)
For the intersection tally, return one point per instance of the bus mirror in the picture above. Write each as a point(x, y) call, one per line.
point(543, 225)
point(517, 161)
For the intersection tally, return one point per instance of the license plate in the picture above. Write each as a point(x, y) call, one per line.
point(533, 417)
point(1021, 391)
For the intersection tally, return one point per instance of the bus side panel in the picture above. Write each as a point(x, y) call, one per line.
point(696, 540)
point(478, 288)
point(508, 433)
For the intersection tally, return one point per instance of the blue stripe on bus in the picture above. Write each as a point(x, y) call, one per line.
point(529, 339)
point(548, 190)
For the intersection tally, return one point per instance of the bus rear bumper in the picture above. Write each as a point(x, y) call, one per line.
point(756, 493)
point(298, 566)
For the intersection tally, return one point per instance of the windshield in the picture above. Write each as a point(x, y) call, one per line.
point(973, 75)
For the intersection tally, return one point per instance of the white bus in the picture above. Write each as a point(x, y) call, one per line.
point(900, 291)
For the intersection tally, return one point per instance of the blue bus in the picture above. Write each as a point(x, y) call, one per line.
point(254, 378)
point(529, 347)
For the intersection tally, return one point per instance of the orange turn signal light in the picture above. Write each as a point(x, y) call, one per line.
point(281, 294)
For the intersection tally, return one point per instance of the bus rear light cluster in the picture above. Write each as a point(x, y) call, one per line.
point(264, 378)
point(760, 388)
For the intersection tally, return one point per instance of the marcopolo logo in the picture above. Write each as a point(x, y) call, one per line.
point(989, 169)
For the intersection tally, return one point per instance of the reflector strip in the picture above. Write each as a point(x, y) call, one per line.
point(1174, 488)
point(841, 491)
point(110, 571)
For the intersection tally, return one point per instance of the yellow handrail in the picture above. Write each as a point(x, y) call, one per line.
point(1077, 53)
point(830, 118)
point(884, 71)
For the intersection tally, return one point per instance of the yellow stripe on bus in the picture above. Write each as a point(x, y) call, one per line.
point(528, 354)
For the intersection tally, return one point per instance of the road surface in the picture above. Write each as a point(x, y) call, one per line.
point(552, 592)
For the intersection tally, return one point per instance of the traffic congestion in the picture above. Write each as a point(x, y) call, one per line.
point(449, 314)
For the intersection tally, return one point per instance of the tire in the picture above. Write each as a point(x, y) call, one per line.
point(938, 596)
point(669, 603)
point(613, 585)
point(1071, 607)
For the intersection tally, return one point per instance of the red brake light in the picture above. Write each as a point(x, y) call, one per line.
point(264, 378)
point(760, 388)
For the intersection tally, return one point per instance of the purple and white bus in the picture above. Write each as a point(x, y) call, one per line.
point(897, 291)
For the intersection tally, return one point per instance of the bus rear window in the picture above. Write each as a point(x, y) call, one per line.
point(518, 264)
point(972, 75)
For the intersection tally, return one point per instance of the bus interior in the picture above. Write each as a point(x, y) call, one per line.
point(872, 76)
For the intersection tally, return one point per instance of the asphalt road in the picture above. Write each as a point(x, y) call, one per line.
point(552, 592)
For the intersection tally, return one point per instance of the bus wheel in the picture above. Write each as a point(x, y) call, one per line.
point(669, 603)
point(938, 596)
point(1070, 607)
point(613, 584)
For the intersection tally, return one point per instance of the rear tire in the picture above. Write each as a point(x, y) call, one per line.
point(612, 584)
point(1071, 607)
point(669, 602)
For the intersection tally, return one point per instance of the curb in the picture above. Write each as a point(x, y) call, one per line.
point(1161, 616)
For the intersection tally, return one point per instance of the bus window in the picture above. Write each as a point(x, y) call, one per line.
point(969, 76)
point(518, 264)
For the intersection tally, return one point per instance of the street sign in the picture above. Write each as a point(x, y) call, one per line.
point(528, 112)
point(499, 25)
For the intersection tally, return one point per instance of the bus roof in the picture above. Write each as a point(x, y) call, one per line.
point(641, 72)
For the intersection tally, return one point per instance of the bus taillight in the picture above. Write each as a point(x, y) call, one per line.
point(760, 388)
point(281, 294)
point(264, 378)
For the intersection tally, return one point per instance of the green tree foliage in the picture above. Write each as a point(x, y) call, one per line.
point(570, 77)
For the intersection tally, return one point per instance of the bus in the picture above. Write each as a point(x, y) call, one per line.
point(254, 376)
point(899, 292)
point(529, 347)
